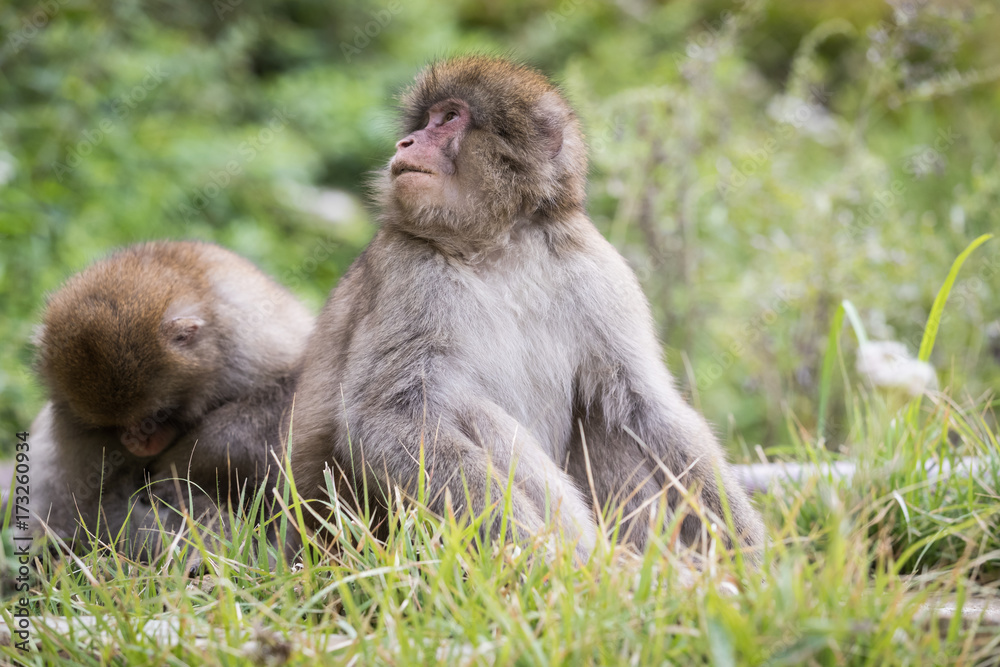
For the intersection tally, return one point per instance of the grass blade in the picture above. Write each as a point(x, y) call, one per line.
point(937, 310)
point(830, 356)
point(826, 374)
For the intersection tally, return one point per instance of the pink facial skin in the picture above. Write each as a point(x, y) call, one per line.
point(432, 150)
point(143, 444)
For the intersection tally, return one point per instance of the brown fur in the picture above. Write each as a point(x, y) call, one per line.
point(489, 322)
point(102, 340)
point(181, 336)
point(517, 116)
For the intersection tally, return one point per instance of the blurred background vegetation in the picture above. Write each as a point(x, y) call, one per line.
point(757, 162)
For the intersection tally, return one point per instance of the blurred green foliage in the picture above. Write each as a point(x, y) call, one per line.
point(756, 162)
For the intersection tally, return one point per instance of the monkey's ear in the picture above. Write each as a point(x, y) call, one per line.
point(182, 331)
point(551, 119)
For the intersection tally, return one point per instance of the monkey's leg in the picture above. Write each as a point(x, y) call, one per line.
point(83, 481)
point(554, 494)
point(457, 469)
point(160, 514)
point(641, 445)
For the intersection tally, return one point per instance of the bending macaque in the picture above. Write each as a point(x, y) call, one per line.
point(166, 361)
point(490, 323)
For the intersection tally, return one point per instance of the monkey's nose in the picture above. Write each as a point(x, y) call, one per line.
point(405, 142)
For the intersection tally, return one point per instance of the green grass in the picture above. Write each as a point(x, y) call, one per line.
point(851, 570)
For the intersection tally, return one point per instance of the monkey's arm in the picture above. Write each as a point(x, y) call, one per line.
point(642, 437)
point(229, 450)
point(85, 485)
point(471, 454)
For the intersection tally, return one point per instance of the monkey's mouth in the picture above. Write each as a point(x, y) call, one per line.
point(405, 167)
point(149, 439)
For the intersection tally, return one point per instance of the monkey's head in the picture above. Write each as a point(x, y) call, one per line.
point(122, 345)
point(488, 143)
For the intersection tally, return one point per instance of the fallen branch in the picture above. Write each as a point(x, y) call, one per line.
point(759, 477)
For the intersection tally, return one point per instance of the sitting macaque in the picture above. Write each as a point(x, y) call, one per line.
point(166, 363)
point(490, 328)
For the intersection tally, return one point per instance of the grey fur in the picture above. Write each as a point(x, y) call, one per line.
point(492, 342)
point(495, 361)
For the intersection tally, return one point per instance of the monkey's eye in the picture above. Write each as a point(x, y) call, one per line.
point(451, 115)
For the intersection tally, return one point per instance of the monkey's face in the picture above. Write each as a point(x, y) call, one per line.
point(145, 416)
point(174, 393)
point(424, 171)
point(450, 180)
point(489, 145)
point(139, 373)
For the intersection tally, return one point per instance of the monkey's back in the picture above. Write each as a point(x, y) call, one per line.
point(110, 364)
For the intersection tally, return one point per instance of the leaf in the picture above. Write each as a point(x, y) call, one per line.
point(937, 310)
point(830, 357)
point(826, 374)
